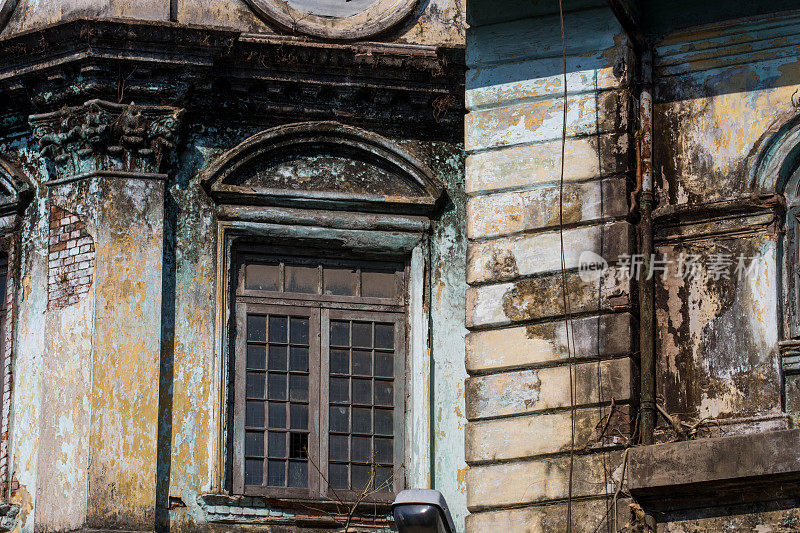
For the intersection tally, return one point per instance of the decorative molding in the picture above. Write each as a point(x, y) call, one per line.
point(103, 135)
point(746, 215)
point(16, 189)
point(377, 18)
point(228, 76)
point(352, 169)
point(732, 44)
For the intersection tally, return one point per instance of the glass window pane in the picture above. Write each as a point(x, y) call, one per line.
point(298, 388)
point(254, 414)
point(277, 444)
point(262, 277)
point(276, 473)
point(339, 419)
point(361, 477)
point(362, 362)
point(298, 359)
point(383, 451)
point(362, 334)
point(253, 471)
point(298, 416)
point(298, 328)
point(340, 361)
point(362, 391)
point(277, 357)
point(383, 479)
point(277, 415)
point(384, 422)
point(303, 279)
point(384, 393)
point(277, 386)
point(298, 445)
point(361, 450)
point(384, 336)
point(254, 443)
point(256, 384)
point(255, 357)
point(340, 333)
point(338, 448)
point(384, 365)
point(340, 390)
point(378, 284)
point(298, 474)
point(277, 329)
point(337, 476)
point(341, 281)
point(256, 328)
point(362, 420)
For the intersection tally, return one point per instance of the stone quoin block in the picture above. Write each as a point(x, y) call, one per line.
point(541, 298)
point(526, 255)
point(544, 343)
point(539, 164)
point(541, 121)
point(540, 434)
point(529, 391)
point(538, 480)
point(511, 212)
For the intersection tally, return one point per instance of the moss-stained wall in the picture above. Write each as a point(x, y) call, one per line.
point(716, 102)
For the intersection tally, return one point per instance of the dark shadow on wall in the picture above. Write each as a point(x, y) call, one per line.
point(166, 370)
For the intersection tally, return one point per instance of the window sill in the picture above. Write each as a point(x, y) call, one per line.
point(732, 470)
point(224, 508)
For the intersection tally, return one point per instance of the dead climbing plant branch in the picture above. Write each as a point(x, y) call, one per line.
point(346, 510)
point(685, 430)
point(637, 522)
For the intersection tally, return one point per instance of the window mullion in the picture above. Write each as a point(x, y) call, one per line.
point(324, 395)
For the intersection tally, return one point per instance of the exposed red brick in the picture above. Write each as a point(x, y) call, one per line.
point(71, 259)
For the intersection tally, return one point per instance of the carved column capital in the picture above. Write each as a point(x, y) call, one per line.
point(101, 136)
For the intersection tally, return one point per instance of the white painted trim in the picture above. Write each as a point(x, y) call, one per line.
point(417, 444)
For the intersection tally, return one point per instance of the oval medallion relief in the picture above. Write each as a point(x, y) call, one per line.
point(334, 19)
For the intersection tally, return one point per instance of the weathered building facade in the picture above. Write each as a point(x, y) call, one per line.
point(232, 239)
point(259, 264)
point(660, 137)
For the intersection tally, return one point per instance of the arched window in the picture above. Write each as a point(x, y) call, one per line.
point(322, 235)
point(775, 179)
point(15, 194)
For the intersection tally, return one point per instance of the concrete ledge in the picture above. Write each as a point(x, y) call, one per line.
point(719, 471)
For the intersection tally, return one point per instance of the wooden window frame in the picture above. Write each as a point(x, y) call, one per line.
point(400, 366)
point(320, 309)
point(792, 270)
point(240, 358)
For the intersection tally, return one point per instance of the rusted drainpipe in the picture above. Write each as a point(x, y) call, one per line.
point(647, 390)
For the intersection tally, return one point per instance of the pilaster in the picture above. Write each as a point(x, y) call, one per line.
point(99, 422)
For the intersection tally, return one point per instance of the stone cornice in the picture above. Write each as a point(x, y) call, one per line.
point(100, 135)
point(749, 214)
point(221, 73)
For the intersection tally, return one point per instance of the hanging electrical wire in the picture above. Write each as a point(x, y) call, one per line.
point(567, 310)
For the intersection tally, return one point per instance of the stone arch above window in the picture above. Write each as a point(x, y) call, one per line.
point(329, 19)
point(323, 165)
point(775, 176)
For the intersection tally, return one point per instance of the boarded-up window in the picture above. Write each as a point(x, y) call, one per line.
point(319, 368)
